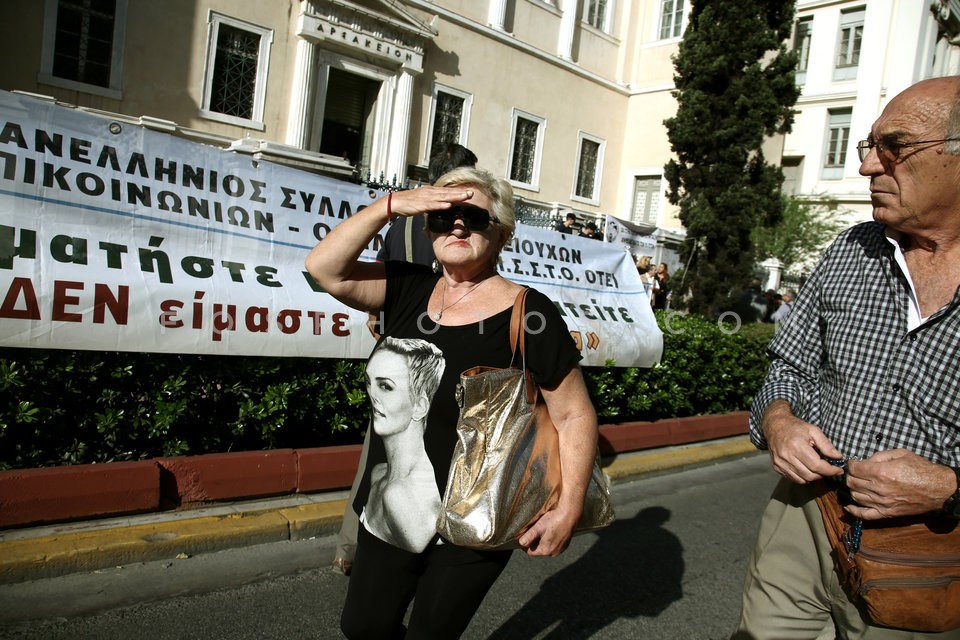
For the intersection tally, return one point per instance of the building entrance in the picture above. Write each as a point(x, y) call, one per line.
point(348, 116)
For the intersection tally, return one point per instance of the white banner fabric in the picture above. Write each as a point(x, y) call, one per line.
point(116, 237)
point(629, 237)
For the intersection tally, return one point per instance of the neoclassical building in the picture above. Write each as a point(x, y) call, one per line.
point(564, 98)
point(854, 57)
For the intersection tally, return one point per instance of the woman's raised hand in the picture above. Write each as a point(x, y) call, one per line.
point(413, 202)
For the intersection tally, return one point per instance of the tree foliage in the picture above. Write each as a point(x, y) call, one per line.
point(734, 88)
point(807, 226)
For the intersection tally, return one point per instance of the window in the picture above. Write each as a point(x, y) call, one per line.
point(589, 167)
point(236, 73)
point(646, 200)
point(671, 19)
point(598, 13)
point(525, 150)
point(848, 45)
point(83, 45)
point(801, 44)
point(838, 137)
point(451, 116)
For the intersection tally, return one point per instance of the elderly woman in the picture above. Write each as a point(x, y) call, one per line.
point(464, 311)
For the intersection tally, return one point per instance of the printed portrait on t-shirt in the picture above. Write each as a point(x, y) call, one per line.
point(401, 377)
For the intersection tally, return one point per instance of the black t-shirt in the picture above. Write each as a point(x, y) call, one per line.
point(551, 353)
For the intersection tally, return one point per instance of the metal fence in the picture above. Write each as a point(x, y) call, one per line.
point(535, 215)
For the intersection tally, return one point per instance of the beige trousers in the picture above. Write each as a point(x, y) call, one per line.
point(791, 591)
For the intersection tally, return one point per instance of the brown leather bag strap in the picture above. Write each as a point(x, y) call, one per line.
point(518, 342)
point(516, 325)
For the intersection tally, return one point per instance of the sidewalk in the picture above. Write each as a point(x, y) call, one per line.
point(47, 551)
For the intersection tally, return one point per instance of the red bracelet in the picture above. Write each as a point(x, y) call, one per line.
point(389, 202)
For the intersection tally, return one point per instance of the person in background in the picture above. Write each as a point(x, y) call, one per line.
point(751, 304)
point(568, 224)
point(642, 263)
point(589, 230)
point(662, 287)
point(779, 316)
point(405, 240)
point(464, 311)
point(649, 280)
point(865, 375)
point(769, 303)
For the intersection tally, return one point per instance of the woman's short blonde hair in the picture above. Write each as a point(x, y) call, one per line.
point(497, 189)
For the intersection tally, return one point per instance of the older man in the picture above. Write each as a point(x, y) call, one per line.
point(868, 368)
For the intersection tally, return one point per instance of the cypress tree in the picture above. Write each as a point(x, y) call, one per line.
point(735, 86)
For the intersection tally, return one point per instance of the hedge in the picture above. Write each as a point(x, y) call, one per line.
point(61, 407)
point(707, 368)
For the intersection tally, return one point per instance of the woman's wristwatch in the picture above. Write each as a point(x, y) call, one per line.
point(951, 508)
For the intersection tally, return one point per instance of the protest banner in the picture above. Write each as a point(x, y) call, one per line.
point(636, 239)
point(116, 237)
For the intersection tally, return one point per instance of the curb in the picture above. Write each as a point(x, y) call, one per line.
point(64, 552)
point(45, 552)
point(85, 492)
point(641, 463)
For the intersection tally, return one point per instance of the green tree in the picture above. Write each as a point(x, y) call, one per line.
point(807, 226)
point(734, 88)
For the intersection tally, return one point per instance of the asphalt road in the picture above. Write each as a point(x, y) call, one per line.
point(671, 567)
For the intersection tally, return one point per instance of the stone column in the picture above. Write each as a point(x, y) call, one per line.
point(568, 24)
point(301, 95)
point(497, 13)
point(774, 271)
point(400, 126)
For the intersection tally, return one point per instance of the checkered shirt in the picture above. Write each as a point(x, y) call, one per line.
point(845, 361)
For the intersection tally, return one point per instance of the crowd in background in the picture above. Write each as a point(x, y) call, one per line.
point(570, 224)
point(759, 305)
point(755, 304)
point(656, 282)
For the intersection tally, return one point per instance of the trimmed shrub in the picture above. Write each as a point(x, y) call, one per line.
point(707, 368)
point(70, 407)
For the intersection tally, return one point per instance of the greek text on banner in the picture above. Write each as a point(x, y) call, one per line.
point(114, 237)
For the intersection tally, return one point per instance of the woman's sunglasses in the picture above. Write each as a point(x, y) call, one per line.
point(474, 218)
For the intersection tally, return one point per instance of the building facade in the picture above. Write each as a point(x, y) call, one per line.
point(854, 57)
point(564, 98)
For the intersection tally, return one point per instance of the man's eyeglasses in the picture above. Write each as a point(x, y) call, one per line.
point(889, 150)
point(474, 218)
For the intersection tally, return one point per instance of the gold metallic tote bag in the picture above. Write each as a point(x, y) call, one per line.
point(505, 471)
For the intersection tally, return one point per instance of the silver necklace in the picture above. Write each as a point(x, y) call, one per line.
point(439, 314)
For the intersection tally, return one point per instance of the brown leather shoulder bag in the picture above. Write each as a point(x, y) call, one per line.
point(905, 571)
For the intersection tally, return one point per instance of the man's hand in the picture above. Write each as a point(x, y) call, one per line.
point(549, 536)
point(796, 447)
point(897, 483)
